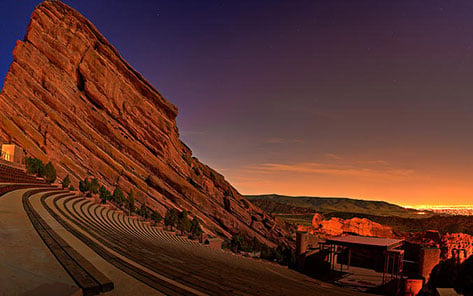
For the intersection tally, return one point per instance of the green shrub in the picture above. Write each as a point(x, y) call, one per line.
point(267, 253)
point(196, 230)
point(183, 223)
point(49, 173)
point(84, 185)
point(130, 202)
point(104, 194)
point(66, 182)
point(171, 217)
point(34, 166)
point(94, 186)
point(143, 212)
point(156, 217)
point(118, 196)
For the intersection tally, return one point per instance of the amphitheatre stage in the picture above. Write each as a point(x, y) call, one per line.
point(55, 242)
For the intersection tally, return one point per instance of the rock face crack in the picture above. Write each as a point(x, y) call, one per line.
point(80, 81)
point(100, 116)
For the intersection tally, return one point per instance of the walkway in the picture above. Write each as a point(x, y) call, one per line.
point(26, 264)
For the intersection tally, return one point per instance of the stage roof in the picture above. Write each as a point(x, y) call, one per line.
point(354, 240)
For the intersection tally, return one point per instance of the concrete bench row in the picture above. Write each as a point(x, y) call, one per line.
point(109, 232)
point(10, 169)
point(66, 217)
point(145, 250)
point(8, 188)
point(14, 175)
point(193, 266)
point(14, 179)
point(86, 276)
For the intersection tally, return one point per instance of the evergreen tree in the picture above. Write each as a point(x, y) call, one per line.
point(34, 166)
point(84, 185)
point(94, 186)
point(65, 182)
point(29, 165)
point(49, 173)
point(144, 211)
point(171, 217)
point(183, 223)
point(267, 253)
point(196, 230)
point(118, 196)
point(237, 243)
point(130, 202)
point(104, 194)
point(156, 217)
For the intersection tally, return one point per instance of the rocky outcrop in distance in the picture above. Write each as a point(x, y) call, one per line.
point(337, 226)
point(69, 97)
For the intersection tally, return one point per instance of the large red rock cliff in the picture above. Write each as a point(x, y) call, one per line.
point(71, 98)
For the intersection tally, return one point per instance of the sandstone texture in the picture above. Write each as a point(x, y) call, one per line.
point(456, 245)
point(69, 97)
point(338, 226)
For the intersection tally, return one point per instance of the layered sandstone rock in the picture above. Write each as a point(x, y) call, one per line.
point(456, 245)
point(367, 227)
point(360, 226)
point(70, 97)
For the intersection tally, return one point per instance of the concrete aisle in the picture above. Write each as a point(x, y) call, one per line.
point(27, 267)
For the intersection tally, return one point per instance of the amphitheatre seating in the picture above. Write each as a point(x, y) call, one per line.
point(184, 261)
point(151, 280)
point(170, 264)
point(87, 277)
point(10, 174)
point(7, 188)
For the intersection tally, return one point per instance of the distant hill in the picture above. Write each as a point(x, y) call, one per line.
point(281, 204)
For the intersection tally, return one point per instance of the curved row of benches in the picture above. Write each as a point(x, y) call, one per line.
point(171, 264)
point(86, 276)
point(64, 216)
point(8, 188)
point(15, 175)
point(176, 258)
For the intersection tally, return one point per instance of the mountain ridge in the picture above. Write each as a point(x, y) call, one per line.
point(329, 204)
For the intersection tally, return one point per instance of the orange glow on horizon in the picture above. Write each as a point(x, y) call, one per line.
point(370, 180)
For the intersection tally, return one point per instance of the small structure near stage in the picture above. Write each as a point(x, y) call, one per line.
point(381, 254)
point(429, 258)
point(12, 153)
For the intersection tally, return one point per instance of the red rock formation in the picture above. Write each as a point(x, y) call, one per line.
point(338, 226)
point(316, 220)
point(456, 245)
point(71, 98)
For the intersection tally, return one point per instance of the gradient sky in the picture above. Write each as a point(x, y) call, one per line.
point(368, 99)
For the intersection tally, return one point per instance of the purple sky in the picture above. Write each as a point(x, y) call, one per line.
point(369, 99)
